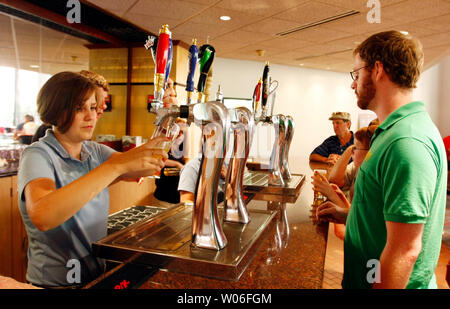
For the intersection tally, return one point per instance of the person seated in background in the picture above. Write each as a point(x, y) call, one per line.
point(63, 183)
point(339, 186)
point(26, 130)
point(333, 147)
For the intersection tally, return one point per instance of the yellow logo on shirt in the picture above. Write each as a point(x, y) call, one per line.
point(368, 155)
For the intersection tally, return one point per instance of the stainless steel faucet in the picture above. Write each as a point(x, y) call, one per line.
point(207, 229)
point(275, 176)
point(241, 137)
point(289, 133)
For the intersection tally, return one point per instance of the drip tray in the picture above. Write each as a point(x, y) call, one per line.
point(164, 241)
point(258, 182)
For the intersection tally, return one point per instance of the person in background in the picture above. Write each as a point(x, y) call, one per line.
point(342, 177)
point(28, 127)
point(102, 89)
point(344, 172)
point(394, 227)
point(333, 147)
point(63, 184)
point(167, 186)
point(188, 181)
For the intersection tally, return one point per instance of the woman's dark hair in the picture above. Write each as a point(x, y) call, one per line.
point(60, 96)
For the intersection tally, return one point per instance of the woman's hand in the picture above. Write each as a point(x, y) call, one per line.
point(331, 212)
point(141, 161)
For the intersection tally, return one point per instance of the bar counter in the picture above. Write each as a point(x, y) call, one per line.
point(291, 256)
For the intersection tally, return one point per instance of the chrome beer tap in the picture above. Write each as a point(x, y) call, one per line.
point(207, 229)
point(268, 96)
point(242, 132)
point(214, 120)
point(290, 127)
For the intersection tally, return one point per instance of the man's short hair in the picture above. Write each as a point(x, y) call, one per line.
point(400, 54)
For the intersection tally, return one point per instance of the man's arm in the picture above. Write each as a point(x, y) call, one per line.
point(317, 157)
point(403, 246)
point(186, 197)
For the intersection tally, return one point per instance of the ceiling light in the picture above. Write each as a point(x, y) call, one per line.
point(302, 64)
point(224, 17)
point(404, 32)
point(34, 66)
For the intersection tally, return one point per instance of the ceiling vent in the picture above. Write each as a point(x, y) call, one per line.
point(320, 22)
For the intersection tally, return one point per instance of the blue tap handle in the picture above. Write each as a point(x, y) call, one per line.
point(169, 62)
point(193, 59)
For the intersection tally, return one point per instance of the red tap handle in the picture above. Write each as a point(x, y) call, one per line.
point(162, 52)
point(258, 91)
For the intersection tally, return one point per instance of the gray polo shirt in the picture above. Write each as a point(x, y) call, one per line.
point(55, 256)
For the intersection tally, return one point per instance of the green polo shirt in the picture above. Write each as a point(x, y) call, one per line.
point(403, 179)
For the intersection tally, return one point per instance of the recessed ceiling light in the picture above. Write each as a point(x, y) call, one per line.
point(34, 66)
point(404, 32)
point(224, 17)
point(301, 64)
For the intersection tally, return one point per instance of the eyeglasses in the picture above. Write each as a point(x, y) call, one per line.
point(355, 76)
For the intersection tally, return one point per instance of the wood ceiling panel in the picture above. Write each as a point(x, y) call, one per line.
point(117, 6)
point(317, 34)
point(264, 8)
point(173, 9)
point(310, 12)
point(151, 23)
point(271, 26)
point(411, 10)
point(358, 5)
point(238, 19)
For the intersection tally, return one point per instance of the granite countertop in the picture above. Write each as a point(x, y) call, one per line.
point(291, 257)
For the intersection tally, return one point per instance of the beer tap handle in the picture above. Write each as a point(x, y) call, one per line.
point(151, 44)
point(169, 62)
point(257, 96)
point(192, 64)
point(162, 57)
point(265, 87)
point(206, 55)
point(209, 81)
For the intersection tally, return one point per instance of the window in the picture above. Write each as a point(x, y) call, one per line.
point(19, 89)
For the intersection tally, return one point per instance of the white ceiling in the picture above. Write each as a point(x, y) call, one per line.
point(254, 26)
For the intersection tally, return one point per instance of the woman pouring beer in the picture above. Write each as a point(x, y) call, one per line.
point(63, 183)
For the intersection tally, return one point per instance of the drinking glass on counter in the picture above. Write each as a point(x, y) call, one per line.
point(169, 131)
point(319, 198)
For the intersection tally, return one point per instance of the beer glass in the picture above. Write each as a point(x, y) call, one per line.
point(171, 132)
point(319, 198)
